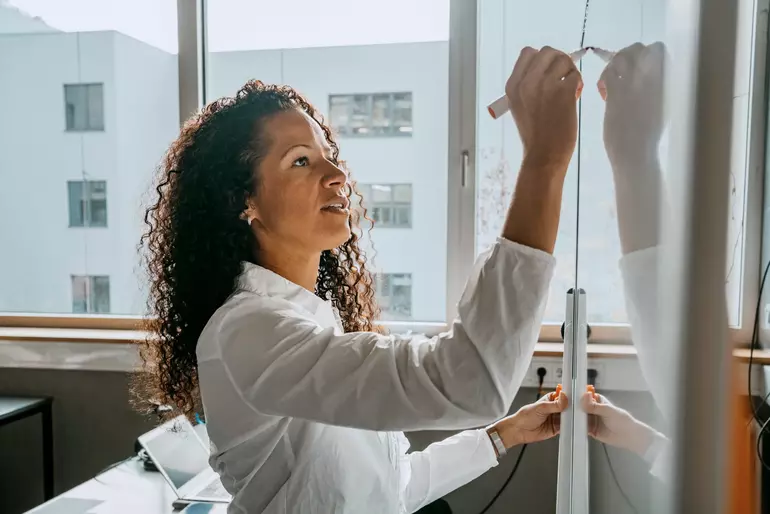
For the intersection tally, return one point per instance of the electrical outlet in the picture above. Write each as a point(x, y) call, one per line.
point(550, 364)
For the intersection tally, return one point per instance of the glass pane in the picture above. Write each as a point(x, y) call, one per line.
point(382, 194)
point(402, 112)
point(76, 102)
point(88, 95)
point(504, 28)
point(381, 114)
point(402, 193)
point(79, 295)
point(95, 107)
point(360, 116)
point(100, 295)
point(339, 109)
point(76, 197)
point(348, 74)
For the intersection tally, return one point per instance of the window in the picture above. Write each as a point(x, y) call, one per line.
point(84, 106)
point(89, 106)
point(389, 205)
point(90, 294)
point(394, 294)
point(88, 203)
point(380, 114)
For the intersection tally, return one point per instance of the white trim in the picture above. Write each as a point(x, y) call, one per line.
point(70, 356)
point(461, 181)
point(755, 165)
point(190, 59)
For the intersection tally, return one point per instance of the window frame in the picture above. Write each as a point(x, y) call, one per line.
point(461, 189)
point(90, 283)
point(86, 200)
point(392, 204)
point(87, 106)
point(387, 278)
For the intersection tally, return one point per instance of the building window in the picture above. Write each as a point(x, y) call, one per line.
point(389, 205)
point(90, 294)
point(84, 106)
point(394, 295)
point(371, 115)
point(87, 203)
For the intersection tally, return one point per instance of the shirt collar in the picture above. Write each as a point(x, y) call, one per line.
point(262, 281)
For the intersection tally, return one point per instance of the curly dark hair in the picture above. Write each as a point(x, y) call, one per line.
point(195, 239)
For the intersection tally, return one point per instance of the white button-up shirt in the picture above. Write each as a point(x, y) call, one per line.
point(304, 418)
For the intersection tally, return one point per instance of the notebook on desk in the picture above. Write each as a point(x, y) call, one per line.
point(183, 460)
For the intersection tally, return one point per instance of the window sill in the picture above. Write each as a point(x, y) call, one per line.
point(116, 350)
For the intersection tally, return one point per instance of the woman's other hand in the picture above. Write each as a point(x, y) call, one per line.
point(615, 426)
point(632, 85)
point(534, 422)
point(542, 94)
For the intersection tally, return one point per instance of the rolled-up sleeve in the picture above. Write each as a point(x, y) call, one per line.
point(444, 466)
point(284, 364)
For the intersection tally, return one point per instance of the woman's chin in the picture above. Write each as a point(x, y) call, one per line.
point(336, 237)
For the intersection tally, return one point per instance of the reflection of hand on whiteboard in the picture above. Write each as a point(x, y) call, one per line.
point(612, 425)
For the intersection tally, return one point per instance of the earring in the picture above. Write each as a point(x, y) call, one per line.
point(248, 216)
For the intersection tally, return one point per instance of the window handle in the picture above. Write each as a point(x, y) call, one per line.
point(466, 164)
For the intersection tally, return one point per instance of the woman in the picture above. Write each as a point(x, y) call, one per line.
point(263, 300)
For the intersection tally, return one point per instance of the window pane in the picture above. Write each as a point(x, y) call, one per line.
point(79, 294)
point(360, 118)
point(77, 202)
point(66, 68)
point(405, 56)
point(381, 194)
point(402, 112)
point(404, 217)
point(339, 109)
point(381, 114)
point(394, 294)
point(99, 298)
point(98, 204)
point(402, 193)
point(95, 107)
point(76, 105)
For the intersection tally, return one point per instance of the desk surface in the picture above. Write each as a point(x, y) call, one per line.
point(125, 489)
point(14, 407)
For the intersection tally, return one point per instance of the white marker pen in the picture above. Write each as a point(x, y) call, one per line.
point(500, 106)
point(604, 55)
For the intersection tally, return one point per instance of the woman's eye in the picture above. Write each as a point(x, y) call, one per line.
point(301, 162)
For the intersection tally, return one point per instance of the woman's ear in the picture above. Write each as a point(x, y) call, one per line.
point(250, 213)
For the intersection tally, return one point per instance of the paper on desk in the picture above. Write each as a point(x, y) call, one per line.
point(205, 508)
point(69, 506)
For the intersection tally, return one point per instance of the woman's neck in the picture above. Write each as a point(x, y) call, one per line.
point(295, 266)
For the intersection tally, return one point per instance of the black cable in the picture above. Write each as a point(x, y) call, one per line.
point(507, 481)
point(617, 482)
point(541, 378)
point(754, 344)
point(755, 341)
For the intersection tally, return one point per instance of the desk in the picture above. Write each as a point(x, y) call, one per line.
point(124, 489)
point(14, 409)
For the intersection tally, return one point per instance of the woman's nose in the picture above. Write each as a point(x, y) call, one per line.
point(335, 177)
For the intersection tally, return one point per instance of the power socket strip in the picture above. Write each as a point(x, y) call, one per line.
point(612, 374)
